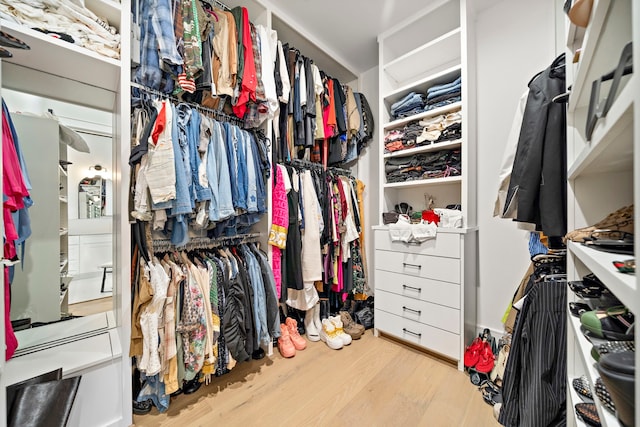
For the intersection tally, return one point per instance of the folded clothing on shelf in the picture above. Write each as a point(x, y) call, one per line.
point(435, 164)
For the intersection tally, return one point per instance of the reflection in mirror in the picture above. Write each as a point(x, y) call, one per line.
point(92, 196)
point(64, 272)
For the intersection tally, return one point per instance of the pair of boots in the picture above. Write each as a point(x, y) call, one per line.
point(333, 334)
point(290, 339)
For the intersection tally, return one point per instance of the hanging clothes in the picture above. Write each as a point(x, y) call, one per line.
point(541, 153)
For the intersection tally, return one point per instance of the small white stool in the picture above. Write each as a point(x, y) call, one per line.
point(107, 267)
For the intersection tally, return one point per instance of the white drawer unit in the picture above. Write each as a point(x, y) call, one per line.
point(438, 292)
point(430, 267)
point(437, 340)
point(420, 311)
point(425, 293)
point(444, 245)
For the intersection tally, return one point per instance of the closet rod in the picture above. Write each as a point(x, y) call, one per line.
point(312, 165)
point(218, 115)
point(165, 245)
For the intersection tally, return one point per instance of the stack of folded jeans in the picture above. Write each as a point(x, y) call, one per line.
point(444, 94)
point(411, 104)
point(436, 164)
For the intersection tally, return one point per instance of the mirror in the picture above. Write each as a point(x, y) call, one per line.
point(92, 196)
point(64, 278)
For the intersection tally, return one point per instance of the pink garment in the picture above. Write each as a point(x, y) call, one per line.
point(14, 190)
point(10, 340)
point(279, 225)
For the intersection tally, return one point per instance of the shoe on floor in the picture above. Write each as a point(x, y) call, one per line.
point(285, 345)
point(141, 408)
point(337, 323)
point(329, 335)
point(313, 332)
point(351, 327)
point(298, 342)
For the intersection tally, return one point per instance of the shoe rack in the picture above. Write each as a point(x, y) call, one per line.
point(601, 170)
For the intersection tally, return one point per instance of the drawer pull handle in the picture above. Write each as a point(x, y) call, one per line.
point(406, 331)
point(406, 264)
point(413, 288)
point(418, 312)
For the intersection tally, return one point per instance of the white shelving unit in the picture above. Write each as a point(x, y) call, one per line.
point(426, 50)
point(601, 172)
point(67, 72)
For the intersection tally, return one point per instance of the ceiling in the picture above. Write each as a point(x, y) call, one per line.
point(346, 29)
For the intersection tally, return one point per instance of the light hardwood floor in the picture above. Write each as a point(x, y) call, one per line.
point(372, 382)
point(91, 307)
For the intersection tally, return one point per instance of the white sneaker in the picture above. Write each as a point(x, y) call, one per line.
point(313, 334)
point(328, 334)
point(337, 323)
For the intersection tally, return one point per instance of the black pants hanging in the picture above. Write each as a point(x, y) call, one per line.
point(535, 378)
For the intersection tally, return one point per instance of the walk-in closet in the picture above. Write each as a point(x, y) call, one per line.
point(362, 213)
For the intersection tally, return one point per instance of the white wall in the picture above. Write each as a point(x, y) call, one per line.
point(515, 39)
point(367, 169)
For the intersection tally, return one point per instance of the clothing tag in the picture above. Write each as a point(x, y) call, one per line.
point(518, 304)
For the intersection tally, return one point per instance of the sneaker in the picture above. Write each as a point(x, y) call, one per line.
point(337, 323)
point(285, 345)
point(298, 342)
point(351, 327)
point(329, 335)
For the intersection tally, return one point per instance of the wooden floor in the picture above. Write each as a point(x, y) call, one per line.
point(91, 307)
point(372, 382)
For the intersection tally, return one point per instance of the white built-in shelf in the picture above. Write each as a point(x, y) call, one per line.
point(445, 76)
point(608, 31)
point(435, 55)
point(431, 113)
point(611, 145)
point(62, 171)
point(63, 263)
point(584, 346)
point(47, 336)
point(575, 36)
point(63, 294)
point(106, 9)
point(64, 231)
point(425, 182)
point(63, 199)
point(66, 60)
point(622, 285)
point(73, 357)
point(425, 148)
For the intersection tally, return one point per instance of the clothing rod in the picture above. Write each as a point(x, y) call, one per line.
point(165, 245)
point(217, 114)
point(312, 165)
